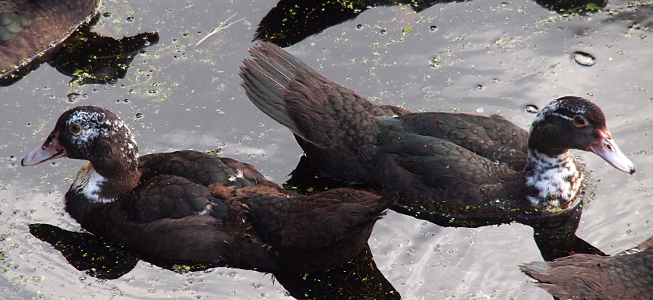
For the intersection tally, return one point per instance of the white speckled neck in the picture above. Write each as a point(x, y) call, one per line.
point(558, 180)
point(89, 183)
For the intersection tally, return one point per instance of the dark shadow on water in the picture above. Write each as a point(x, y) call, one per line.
point(555, 235)
point(88, 57)
point(291, 21)
point(91, 58)
point(94, 255)
point(358, 279)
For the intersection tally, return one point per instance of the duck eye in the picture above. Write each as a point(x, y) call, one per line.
point(75, 128)
point(580, 121)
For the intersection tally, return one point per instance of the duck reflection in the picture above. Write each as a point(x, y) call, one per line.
point(91, 58)
point(98, 257)
point(291, 21)
point(84, 55)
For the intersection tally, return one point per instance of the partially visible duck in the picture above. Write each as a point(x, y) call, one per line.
point(465, 169)
point(627, 275)
point(29, 28)
point(191, 206)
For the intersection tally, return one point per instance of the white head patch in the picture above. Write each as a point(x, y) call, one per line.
point(97, 124)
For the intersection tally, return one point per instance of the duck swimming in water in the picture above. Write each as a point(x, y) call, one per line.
point(191, 206)
point(468, 170)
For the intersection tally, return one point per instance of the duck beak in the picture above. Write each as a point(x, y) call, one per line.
point(607, 149)
point(50, 149)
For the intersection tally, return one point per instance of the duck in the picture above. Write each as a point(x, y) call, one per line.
point(626, 275)
point(191, 206)
point(451, 168)
point(30, 28)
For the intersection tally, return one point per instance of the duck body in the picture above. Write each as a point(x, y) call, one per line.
point(191, 206)
point(29, 28)
point(627, 275)
point(455, 168)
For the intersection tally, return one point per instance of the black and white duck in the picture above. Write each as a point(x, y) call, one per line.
point(191, 206)
point(465, 169)
point(627, 275)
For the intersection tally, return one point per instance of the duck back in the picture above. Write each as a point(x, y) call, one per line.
point(627, 275)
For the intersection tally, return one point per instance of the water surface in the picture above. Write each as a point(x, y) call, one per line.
point(482, 56)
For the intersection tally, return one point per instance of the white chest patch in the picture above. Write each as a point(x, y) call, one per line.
point(558, 180)
point(239, 174)
point(89, 183)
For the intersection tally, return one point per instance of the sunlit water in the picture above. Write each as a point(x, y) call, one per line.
point(491, 56)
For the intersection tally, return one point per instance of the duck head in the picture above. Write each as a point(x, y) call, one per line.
point(576, 123)
point(100, 137)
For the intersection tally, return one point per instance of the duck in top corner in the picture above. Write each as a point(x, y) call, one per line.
point(31, 28)
point(454, 169)
point(193, 207)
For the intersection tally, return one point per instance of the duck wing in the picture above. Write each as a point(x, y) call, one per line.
point(494, 137)
point(435, 160)
point(173, 197)
point(317, 220)
point(200, 167)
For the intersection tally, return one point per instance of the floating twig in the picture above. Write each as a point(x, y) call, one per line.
point(223, 25)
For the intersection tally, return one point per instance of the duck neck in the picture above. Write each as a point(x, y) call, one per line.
point(93, 188)
point(555, 179)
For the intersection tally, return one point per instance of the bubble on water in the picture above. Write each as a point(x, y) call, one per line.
point(530, 108)
point(584, 59)
point(73, 97)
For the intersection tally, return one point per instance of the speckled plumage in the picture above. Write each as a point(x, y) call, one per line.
point(445, 166)
point(191, 206)
point(627, 275)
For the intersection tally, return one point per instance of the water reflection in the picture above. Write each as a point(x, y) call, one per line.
point(610, 219)
point(91, 58)
point(88, 57)
point(94, 255)
point(291, 21)
point(358, 279)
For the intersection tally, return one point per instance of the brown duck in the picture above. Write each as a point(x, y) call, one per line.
point(191, 206)
point(627, 275)
point(465, 169)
